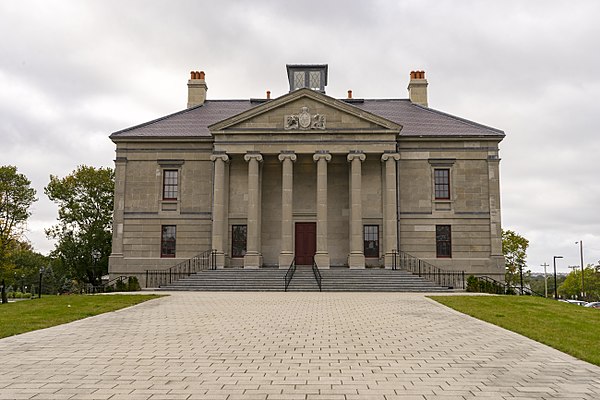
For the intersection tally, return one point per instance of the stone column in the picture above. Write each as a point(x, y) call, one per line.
point(286, 254)
point(494, 193)
point(253, 257)
point(356, 258)
point(390, 216)
point(322, 254)
point(219, 230)
point(116, 257)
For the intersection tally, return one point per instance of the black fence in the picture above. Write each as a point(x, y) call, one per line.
point(407, 262)
point(317, 274)
point(486, 284)
point(203, 261)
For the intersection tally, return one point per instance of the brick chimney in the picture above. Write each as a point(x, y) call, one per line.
point(196, 89)
point(417, 88)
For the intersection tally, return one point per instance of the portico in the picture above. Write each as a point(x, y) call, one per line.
point(273, 145)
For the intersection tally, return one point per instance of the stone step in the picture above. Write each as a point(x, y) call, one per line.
point(335, 279)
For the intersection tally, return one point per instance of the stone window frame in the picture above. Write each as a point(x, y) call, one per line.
point(368, 237)
point(171, 165)
point(438, 164)
point(443, 247)
point(241, 243)
point(168, 245)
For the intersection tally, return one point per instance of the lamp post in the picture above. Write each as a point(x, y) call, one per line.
point(95, 257)
point(582, 267)
point(555, 288)
point(545, 264)
point(40, 286)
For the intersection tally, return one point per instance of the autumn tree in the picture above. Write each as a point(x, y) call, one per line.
point(85, 205)
point(514, 248)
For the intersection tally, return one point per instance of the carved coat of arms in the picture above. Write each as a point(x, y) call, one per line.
point(303, 120)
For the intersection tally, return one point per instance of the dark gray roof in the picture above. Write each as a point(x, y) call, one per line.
point(416, 120)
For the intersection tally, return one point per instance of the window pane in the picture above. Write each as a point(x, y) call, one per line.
point(442, 183)
point(371, 240)
point(443, 240)
point(315, 79)
point(167, 243)
point(299, 80)
point(170, 184)
point(238, 240)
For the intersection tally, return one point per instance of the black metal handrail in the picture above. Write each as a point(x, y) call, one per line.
point(407, 262)
point(203, 261)
point(317, 274)
point(487, 284)
point(289, 275)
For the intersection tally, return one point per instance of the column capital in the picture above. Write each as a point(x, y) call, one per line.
point(219, 156)
point(287, 156)
point(322, 155)
point(253, 156)
point(357, 155)
point(390, 156)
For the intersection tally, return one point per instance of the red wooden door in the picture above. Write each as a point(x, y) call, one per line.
point(306, 242)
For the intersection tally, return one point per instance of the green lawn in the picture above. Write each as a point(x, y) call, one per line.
point(569, 328)
point(30, 315)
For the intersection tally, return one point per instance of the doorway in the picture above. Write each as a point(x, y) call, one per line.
point(306, 242)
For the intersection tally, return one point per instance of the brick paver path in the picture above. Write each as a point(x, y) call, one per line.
point(287, 346)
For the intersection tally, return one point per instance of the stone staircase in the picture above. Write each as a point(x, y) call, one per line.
point(336, 279)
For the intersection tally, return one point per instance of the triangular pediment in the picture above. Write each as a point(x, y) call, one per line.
point(305, 110)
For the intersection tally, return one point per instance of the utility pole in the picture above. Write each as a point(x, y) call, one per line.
point(545, 279)
point(582, 267)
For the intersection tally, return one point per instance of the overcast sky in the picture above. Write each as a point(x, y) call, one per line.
point(72, 72)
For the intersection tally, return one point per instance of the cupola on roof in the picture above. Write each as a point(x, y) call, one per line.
point(311, 76)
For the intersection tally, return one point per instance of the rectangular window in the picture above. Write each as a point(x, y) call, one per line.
point(167, 242)
point(239, 235)
point(170, 184)
point(299, 79)
point(371, 240)
point(315, 80)
point(442, 184)
point(443, 241)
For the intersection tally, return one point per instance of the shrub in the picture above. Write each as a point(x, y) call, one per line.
point(132, 284)
point(120, 286)
point(472, 284)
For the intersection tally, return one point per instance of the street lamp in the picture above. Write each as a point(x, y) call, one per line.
point(95, 257)
point(582, 267)
point(40, 287)
point(555, 288)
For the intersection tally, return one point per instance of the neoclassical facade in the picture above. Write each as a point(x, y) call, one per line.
point(306, 176)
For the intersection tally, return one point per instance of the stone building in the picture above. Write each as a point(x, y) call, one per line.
point(350, 182)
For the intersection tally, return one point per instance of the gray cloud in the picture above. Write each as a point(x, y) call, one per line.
point(73, 72)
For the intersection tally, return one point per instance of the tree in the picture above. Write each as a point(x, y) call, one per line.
point(85, 206)
point(514, 248)
point(16, 197)
point(571, 287)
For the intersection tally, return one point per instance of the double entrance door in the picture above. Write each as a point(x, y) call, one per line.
point(306, 242)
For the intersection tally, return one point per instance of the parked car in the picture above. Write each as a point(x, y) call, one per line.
point(577, 302)
point(594, 304)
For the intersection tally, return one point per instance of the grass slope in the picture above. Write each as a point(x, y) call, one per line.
point(30, 315)
point(571, 329)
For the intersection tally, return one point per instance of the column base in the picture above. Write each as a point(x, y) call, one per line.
point(356, 261)
point(220, 260)
point(388, 260)
point(253, 260)
point(322, 260)
point(285, 259)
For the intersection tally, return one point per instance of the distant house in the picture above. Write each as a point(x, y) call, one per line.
point(307, 176)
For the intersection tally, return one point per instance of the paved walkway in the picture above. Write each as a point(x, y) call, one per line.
point(287, 346)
